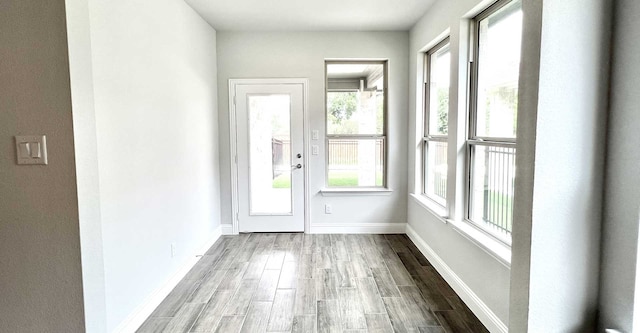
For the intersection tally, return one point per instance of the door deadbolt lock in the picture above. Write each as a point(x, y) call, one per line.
point(299, 155)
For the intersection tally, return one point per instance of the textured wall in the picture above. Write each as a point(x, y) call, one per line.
point(154, 83)
point(562, 141)
point(86, 150)
point(622, 196)
point(40, 275)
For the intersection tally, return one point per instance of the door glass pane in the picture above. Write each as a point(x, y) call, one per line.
point(500, 35)
point(270, 154)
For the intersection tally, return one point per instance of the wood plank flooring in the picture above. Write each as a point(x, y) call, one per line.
point(313, 284)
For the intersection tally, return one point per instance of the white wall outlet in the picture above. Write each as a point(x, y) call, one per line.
point(31, 149)
point(314, 135)
point(314, 149)
point(327, 209)
point(173, 250)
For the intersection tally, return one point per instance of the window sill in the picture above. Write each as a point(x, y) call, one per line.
point(338, 192)
point(498, 250)
point(491, 246)
point(435, 209)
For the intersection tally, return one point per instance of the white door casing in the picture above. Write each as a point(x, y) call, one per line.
point(269, 174)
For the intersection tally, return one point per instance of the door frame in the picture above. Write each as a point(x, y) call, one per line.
point(233, 142)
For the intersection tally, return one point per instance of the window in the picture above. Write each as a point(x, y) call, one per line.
point(493, 115)
point(436, 117)
point(356, 120)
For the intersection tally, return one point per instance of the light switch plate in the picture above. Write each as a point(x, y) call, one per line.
point(314, 135)
point(314, 149)
point(31, 149)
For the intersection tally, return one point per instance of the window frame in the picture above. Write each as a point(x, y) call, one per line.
point(473, 139)
point(383, 136)
point(426, 114)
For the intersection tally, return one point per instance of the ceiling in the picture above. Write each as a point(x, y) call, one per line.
point(308, 15)
point(352, 71)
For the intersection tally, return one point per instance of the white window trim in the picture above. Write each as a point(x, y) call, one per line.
point(427, 137)
point(454, 214)
point(431, 206)
point(364, 190)
point(354, 191)
point(472, 139)
point(497, 249)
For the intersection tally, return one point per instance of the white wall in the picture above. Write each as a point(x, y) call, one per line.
point(154, 82)
point(40, 271)
point(485, 276)
point(86, 149)
point(622, 195)
point(302, 54)
point(561, 137)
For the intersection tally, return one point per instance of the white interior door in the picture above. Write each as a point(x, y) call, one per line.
point(269, 129)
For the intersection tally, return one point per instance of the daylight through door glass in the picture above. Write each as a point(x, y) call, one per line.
point(270, 154)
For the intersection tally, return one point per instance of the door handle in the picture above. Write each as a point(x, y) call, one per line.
point(297, 166)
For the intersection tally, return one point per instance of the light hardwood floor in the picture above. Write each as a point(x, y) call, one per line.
point(312, 283)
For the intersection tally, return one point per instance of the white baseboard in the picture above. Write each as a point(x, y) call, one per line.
point(142, 312)
point(358, 228)
point(475, 304)
point(227, 229)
